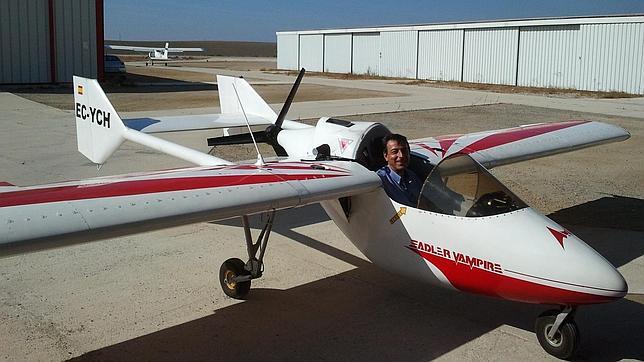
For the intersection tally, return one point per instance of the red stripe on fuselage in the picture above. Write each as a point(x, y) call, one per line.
point(479, 281)
point(141, 187)
point(517, 134)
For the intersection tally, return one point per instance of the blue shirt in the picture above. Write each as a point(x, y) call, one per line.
point(405, 189)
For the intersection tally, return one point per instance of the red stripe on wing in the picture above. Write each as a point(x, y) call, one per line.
point(447, 142)
point(141, 187)
point(516, 134)
point(427, 148)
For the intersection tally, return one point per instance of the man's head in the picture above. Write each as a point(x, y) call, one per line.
point(396, 152)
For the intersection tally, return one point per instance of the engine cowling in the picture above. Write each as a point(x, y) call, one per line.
point(361, 141)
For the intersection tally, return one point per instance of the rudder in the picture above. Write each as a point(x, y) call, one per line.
point(99, 129)
point(252, 102)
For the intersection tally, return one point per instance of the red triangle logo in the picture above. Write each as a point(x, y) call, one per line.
point(344, 143)
point(559, 235)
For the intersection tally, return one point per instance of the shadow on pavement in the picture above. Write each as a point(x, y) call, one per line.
point(611, 212)
point(368, 314)
point(612, 225)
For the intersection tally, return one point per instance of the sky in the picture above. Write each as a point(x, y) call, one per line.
point(256, 20)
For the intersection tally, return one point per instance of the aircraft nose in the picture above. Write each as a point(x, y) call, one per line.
point(591, 271)
point(612, 280)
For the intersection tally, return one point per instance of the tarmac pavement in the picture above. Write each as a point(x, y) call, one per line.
point(155, 296)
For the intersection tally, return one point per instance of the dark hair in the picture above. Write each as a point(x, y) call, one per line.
point(393, 137)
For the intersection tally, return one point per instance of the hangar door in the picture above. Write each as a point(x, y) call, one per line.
point(24, 42)
point(337, 53)
point(287, 51)
point(440, 54)
point(366, 53)
point(398, 53)
point(490, 55)
point(548, 56)
point(312, 52)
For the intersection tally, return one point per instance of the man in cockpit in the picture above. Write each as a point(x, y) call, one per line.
point(400, 183)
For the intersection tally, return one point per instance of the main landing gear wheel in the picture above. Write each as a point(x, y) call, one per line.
point(561, 343)
point(230, 270)
point(234, 274)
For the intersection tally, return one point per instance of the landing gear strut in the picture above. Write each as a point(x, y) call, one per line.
point(234, 274)
point(557, 332)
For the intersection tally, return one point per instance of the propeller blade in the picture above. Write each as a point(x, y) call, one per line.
point(289, 100)
point(279, 150)
point(237, 139)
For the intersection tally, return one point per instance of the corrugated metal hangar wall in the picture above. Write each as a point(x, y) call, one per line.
point(48, 41)
point(596, 54)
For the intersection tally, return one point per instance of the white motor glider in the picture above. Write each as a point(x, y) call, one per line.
point(158, 54)
point(467, 232)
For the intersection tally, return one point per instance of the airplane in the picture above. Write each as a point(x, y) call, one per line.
point(159, 54)
point(468, 232)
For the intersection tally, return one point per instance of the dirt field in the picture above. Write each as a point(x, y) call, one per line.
point(213, 48)
point(189, 95)
point(497, 88)
point(232, 65)
point(171, 73)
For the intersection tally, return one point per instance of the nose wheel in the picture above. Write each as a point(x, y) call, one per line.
point(557, 332)
point(234, 275)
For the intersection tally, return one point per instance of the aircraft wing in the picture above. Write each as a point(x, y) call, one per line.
point(504, 146)
point(131, 48)
point(181, 50)
point(193, 122)
point(118, 205)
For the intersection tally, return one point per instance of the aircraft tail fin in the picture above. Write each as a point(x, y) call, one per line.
point(236, 92)
point(99, 129)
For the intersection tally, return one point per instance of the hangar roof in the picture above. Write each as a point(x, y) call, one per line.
point(612, 19)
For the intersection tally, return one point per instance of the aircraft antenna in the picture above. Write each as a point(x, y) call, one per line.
point(260, 159)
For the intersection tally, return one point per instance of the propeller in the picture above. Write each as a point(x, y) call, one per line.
point(269, 135)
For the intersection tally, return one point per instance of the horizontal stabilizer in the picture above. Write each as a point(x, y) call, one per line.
point(193, 122)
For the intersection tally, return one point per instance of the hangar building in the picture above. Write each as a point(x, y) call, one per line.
point(48, 41)
point(584, 53)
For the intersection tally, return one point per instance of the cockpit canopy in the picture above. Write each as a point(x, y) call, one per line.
point(460, 186)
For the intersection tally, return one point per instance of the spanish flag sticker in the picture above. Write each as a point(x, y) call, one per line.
point(79, 90)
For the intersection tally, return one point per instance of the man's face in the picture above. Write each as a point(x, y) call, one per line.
point(397, 156)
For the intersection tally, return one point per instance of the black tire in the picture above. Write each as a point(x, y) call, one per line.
point(230, 269)
point(565, 342)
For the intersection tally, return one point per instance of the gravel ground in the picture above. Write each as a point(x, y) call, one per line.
point(154, 296)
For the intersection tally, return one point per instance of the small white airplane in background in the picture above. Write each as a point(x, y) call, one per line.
point(468, 232)
point(158, 54)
